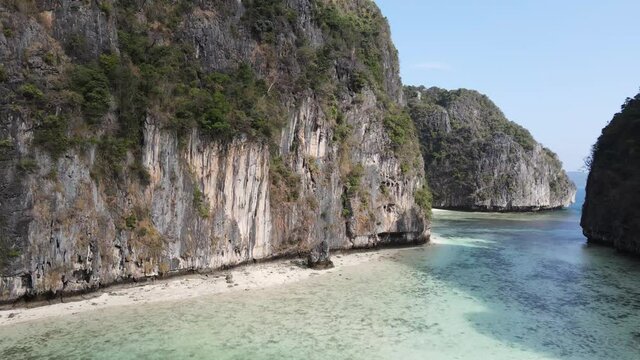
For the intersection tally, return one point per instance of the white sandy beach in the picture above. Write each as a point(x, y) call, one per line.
point(242, 278)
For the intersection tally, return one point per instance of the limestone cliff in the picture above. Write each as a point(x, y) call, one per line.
point(611, 211)
point(476, 159)
point(148, 138)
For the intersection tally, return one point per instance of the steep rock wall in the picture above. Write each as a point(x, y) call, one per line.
point(476, 159)
point(183, 198)
point(611, 211)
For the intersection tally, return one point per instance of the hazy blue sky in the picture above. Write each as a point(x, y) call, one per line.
point(560, 68)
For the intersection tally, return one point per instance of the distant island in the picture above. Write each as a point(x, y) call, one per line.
point(476, 159)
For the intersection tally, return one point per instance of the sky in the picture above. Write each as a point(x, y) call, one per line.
point(560, 68)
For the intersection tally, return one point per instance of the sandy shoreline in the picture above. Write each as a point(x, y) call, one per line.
point(242, 278)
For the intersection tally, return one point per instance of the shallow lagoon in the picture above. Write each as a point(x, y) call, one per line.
point(493, 286)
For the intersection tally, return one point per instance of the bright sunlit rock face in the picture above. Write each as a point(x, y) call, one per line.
point(154, 138)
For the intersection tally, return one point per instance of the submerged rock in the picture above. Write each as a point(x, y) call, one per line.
point(319, 257)
point(476, 159)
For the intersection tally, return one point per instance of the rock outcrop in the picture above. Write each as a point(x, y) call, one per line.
point(611, 211)
point(142, 139)
point(319, 257)
point(476, 159)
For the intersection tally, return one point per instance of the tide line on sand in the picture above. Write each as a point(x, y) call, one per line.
point(242, 278)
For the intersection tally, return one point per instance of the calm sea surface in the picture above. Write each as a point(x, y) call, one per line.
point(494, 287)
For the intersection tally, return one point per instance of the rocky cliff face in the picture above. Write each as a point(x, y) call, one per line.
point(611, 211)
point(476, 159)
point(140, 138)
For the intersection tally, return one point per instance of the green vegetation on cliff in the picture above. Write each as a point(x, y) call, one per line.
point(155, 73)
point(488, 121)
point(354, 31)
point(165, 80)
point(147, 78)
point(267, 18)
point(424, 198)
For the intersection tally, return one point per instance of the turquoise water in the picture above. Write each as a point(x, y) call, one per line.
point(495, 287)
